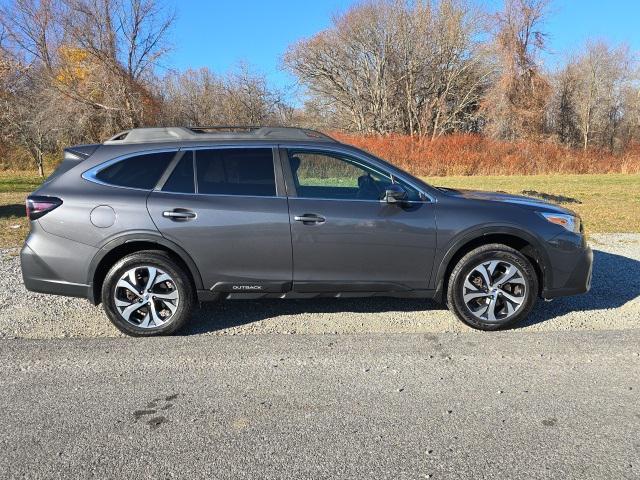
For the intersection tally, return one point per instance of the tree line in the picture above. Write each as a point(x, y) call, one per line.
point(430, 68)
point(74, 71)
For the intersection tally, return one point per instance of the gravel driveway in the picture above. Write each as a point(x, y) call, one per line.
point(613, 303)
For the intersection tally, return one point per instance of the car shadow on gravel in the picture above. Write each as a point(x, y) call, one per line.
point(616, 281)
point(234, 313)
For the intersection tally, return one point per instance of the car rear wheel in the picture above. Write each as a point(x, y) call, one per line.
point(492, 287)
point(147, 294)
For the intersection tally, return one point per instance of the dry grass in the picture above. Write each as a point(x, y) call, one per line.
point(14, 225)
point(606, 203)
point(479, 155)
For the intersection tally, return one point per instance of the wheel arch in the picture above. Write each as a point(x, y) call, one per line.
point(117, 248)
point(525, 242)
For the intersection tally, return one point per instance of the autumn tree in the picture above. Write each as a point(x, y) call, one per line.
point(123, 41)
point(515, 105)
point(98, 54)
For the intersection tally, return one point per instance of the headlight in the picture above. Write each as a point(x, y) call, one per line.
point(569, 222)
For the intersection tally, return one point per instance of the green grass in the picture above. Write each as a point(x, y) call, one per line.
point(14, 188)
point(330, 181)
point(606, 203)
point(18, 182)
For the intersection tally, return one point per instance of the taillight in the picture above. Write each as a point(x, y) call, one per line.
point(37, 206)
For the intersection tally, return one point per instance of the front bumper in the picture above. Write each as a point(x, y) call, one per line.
point(571, 267)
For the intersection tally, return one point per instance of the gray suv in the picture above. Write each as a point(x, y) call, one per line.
point(155, 220)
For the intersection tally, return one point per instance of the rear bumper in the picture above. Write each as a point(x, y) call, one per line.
point(54, 265)
point(571, 272)
point(38, 277)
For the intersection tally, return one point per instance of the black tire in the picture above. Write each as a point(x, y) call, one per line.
point(466, 266)
point(180, 282)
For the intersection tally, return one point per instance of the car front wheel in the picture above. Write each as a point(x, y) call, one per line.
point(147, 293)
point(492, 287)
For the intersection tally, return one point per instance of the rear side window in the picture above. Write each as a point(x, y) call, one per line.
point(236, 171)
point(141, 171)
point(181, 179)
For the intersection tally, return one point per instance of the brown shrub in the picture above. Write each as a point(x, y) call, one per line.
point(461, 154)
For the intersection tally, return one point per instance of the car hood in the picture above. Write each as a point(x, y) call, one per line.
point(530, 202)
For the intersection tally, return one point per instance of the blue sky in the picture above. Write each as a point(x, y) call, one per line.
point(221, 33)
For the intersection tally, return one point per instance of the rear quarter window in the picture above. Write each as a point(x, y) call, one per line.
point(140, 171)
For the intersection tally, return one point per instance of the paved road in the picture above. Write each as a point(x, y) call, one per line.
point(506, 405)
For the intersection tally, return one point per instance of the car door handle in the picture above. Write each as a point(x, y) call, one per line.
point(179, 214)
point(309, 218)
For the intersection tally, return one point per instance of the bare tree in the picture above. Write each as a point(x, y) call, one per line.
point(461, 69)
point(29, 116)
point(32, 29)
point(250, 100)
point(630, 127)
point(562, 118)
point(200, 97)
point(392, 65)
point(602, 73)
point(347, 66)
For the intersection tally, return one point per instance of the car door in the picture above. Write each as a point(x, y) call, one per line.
point(345, 237)
point(227, 208)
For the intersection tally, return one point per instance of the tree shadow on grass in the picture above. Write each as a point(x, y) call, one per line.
point(551, 197)
point(616, 281)
point(12, 210)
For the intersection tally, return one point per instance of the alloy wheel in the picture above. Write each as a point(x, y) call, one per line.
point(494, 291)
point(146, 297)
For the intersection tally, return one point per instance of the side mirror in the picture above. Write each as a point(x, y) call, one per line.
point(394, 193)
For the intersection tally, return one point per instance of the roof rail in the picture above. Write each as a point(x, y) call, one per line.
point(224, 128)
point(173, 134)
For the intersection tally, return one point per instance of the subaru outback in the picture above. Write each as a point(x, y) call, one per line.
point(155, 220)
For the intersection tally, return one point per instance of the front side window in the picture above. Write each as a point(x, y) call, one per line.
point(140, 171)
point(236, 171)
point(334, 176)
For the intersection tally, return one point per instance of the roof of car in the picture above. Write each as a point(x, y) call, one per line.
point(173, 134)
